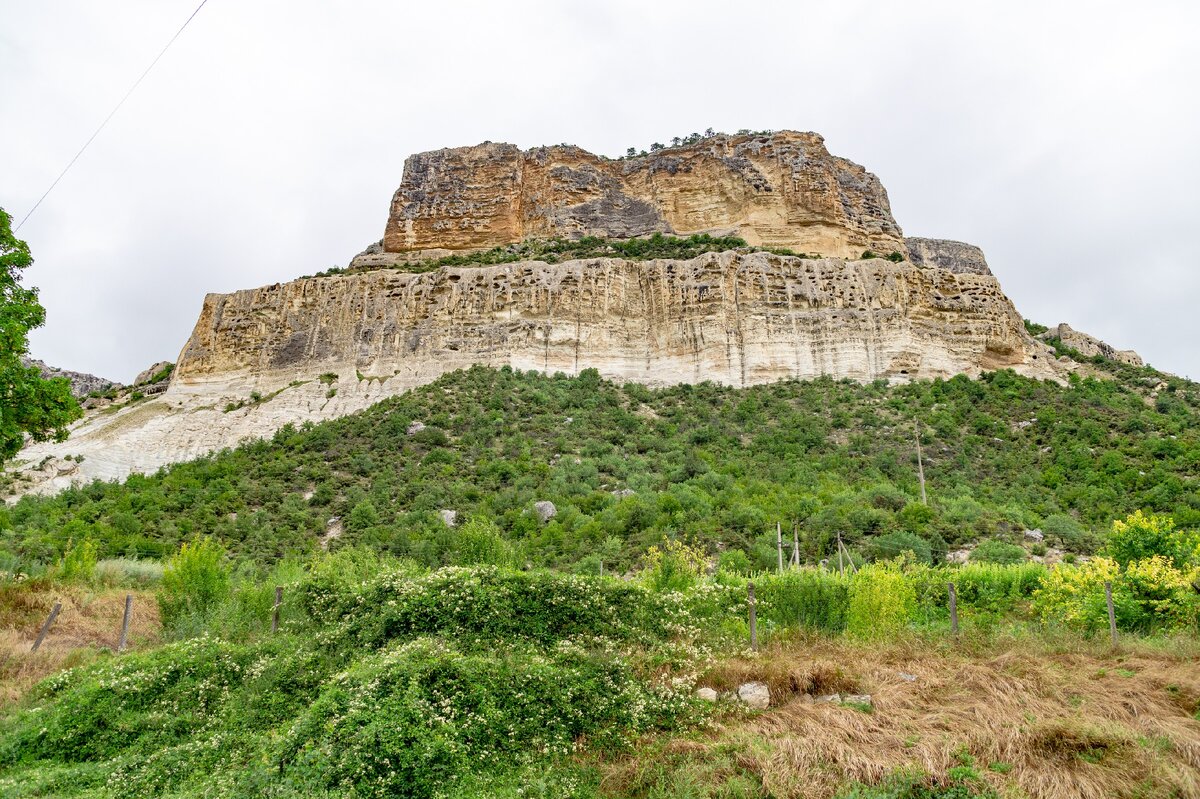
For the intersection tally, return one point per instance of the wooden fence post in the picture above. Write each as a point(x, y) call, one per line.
point(841, 565)
point(753, 617)
point(953, 610)
point(1112, 615)
point(779, 544)
point(275, 610)
point(46, 626)
point(125, 622)
point(796, 543)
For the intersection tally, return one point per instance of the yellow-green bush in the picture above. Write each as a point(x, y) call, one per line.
point(882, 600)
point(1149, 594)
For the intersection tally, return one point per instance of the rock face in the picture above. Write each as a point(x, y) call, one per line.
point(82, 383)
point(734, 318)
point(778, 190)
point(1090, 345)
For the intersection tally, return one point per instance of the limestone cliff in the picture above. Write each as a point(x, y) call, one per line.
point(317, 348)
point(777, 190)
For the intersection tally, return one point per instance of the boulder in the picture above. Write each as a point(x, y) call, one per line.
point(754, 695)
point(857, 699)
point(415, 428)
point(707, 694)
point(448, 517)
point(545, 510)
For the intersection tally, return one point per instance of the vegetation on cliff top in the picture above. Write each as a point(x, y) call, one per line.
point(556, 250)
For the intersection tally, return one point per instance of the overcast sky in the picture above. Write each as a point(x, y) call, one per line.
point(1062, 137)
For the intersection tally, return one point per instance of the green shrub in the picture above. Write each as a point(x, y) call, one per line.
point(1063, 527)
point(79, 561)
point(412, 719)
point(892, 545)
point(194, 582)
point(674, 565)
point(996, 551)
point(1139, 537)
point(483, 603)
point(128, 572)
point(734, 561)
point(882, 601)
point(479, 542)
point(808, 597)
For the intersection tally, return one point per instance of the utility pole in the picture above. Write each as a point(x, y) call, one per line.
point(921, 467)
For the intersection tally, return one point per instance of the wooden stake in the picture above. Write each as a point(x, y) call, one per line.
point(125, 622)
point(275, 610)
point(953, 610)
point(921, 467)
point(779, 544)
point(46, 625)
point(753, 617)
point(1112, 614)
point(841, 565)
point(795, 544)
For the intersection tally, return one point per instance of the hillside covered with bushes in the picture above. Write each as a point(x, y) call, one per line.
point(626, 467)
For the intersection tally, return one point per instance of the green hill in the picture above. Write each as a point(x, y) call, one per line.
point(627, 466)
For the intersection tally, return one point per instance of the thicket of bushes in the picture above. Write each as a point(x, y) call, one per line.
point(398, 684)
point(717, 464)
point(391, 680)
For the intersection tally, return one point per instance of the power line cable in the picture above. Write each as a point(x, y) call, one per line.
point(117, 108)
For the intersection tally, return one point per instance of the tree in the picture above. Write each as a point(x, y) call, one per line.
point(29, 404)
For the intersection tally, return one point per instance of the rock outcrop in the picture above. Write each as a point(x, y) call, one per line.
point(953, 256)
point(82, 383)
point(1090, 346)
point(777, 190)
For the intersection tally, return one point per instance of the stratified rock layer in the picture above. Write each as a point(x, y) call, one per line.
point(734, 318)
point(777, 190)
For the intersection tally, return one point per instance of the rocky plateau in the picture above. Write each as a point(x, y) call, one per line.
point(318, 348)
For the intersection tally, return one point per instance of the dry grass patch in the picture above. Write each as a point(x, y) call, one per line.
point(88, 625)
point(1030, 718)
